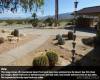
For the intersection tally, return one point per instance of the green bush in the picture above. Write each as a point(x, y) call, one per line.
point(1, 40)
point(88, 41)
point(9, 22)
point(98, 34)
point(41, 61)
point(61, 41)
point(70, 35)
point(52, 57)
point(69, 23)
point(49, 21)
point(3, 31)
point(34, 22)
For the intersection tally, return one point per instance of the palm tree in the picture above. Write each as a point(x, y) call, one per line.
point(56, 12)
point(34, 15)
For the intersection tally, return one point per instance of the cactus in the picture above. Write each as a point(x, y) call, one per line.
point(15, 33)
point(58, 36)
point(70, 35)
point(52, 57)
point(12, 33)
point(1, 40)
point(61, 41)
point(41, 61)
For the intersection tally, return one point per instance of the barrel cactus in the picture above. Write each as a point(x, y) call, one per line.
point(52, 57)
point(16, 32)
point(70, 35)
point(41, 61)
point(58, 36)
point(61, 41)
point(1, 40)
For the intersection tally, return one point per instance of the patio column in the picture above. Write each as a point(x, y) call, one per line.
point(98, 28)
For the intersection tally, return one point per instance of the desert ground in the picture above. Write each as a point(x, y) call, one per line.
point(35, 42)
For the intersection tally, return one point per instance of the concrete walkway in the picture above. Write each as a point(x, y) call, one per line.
point(14, 54)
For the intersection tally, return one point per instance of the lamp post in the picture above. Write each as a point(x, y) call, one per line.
point(74, 32)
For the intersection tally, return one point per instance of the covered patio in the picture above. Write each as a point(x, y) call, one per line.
point(92, 14)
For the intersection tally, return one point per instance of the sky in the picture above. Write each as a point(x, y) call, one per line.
point(65, 6)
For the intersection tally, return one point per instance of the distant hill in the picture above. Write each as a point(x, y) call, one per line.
point(61, 16)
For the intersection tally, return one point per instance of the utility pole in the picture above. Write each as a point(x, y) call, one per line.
point(56, 12)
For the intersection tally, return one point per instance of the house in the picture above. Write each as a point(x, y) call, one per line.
point(91, 15)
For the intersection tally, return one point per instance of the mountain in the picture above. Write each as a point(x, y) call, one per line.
point(22, 16)
point(61, 16)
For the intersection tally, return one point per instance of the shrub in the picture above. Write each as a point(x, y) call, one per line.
point(1, 40)
point(15, 33)
point(49, 21)
point(61, 41)
point(3, 31)
point(34, 22)
point(58, 36)
point(98, 34)
point(70, 35)
point(70, 23)
point(52, 57)
point(88, 41)
point(41, 61)
point(12, 33)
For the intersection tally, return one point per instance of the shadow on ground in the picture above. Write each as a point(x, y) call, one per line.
point(82, 29)
point(91, 59)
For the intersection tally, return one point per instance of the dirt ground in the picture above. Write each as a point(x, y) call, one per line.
point(64, 52)
point(7, 45)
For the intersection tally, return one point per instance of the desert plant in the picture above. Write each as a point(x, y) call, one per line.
point(70, 35)
point(98, 34)
point(3, 31)
point(15, 33)
point(88, 41)
point(1, 40)
point(52, 57)
point(64, 35)
point(12, 33)
point(34, 22)
point(41, 61)
point(9, 22)
point(69, 23)
point(49, 21)
point(58, 36)
point(61, 41)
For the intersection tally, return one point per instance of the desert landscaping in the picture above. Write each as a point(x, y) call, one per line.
point(57, 39)
point(50, 43)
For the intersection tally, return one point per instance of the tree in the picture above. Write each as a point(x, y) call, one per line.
point(34, 15)
point(25, 4)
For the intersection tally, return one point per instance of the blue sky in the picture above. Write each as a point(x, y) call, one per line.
point(48, 8)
